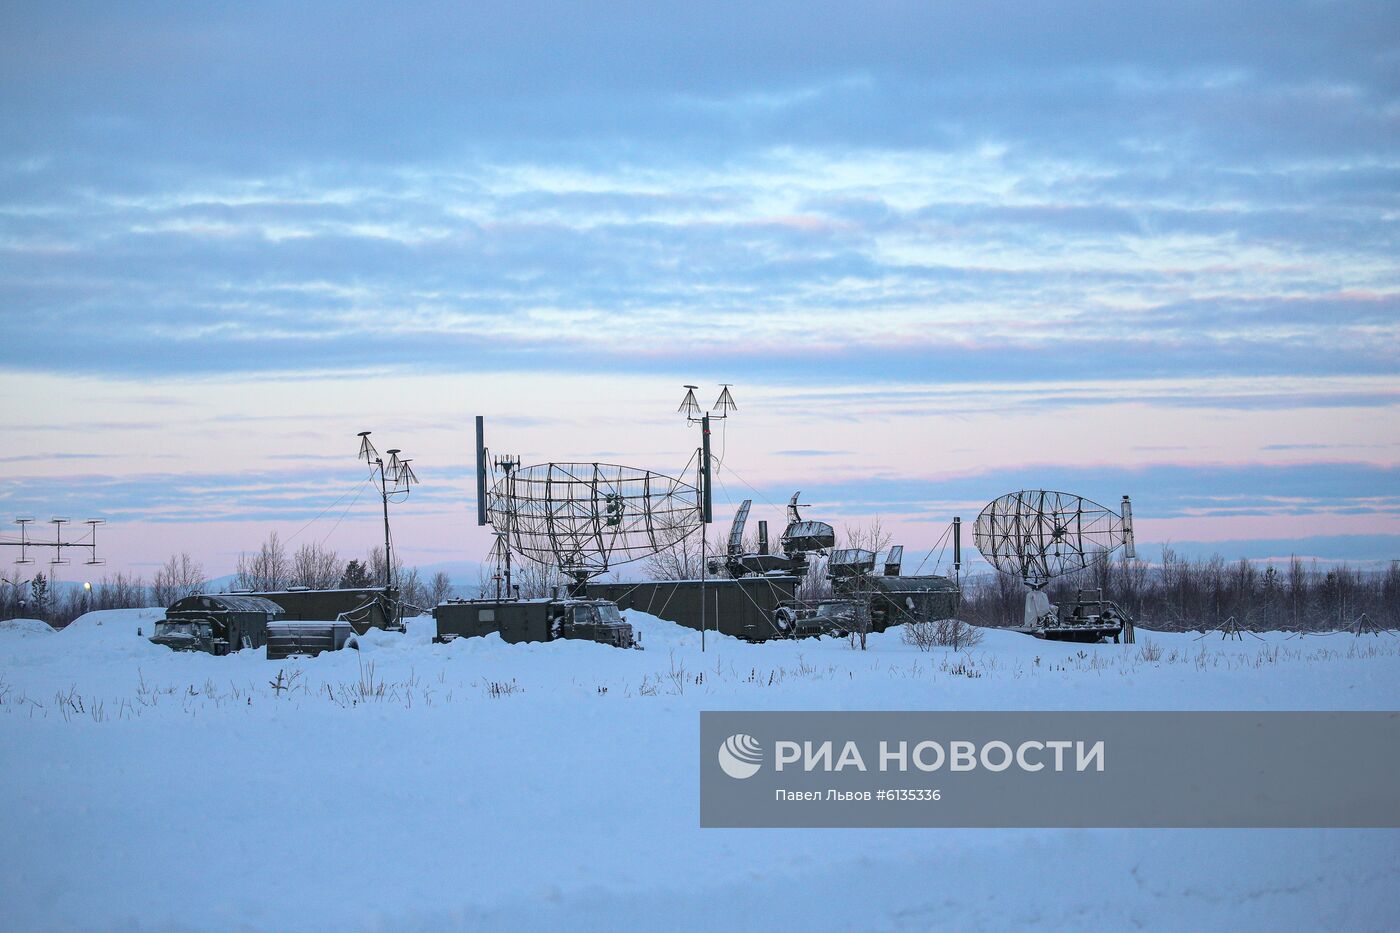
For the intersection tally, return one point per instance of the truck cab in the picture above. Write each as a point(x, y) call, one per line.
point(593, 620)
point(188, 635)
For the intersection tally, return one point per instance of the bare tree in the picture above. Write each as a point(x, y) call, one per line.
point(316, 566)
point(534, 580)
point(439, 587)
point(377, 574)
point(13, 590)
point(927, 634)
point(412, 592)
point(871, 536)
point(121, 591)
point(180, 576)
point(268, 569)
point(680, 556)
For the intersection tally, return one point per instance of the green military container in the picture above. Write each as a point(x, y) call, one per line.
point(521, 620)
point(364, 608)
point(896, 600)
point(744, 608)
point(216, 624)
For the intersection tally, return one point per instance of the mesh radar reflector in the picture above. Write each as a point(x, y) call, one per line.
point(586, 517)
point(1038, 535)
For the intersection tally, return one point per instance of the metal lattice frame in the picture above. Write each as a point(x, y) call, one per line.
point(586, 517)
point(1038, 534)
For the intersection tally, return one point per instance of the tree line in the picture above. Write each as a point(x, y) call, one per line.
point(1182, 594)
point(271, 567)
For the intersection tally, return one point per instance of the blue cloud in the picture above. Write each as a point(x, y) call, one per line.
point(1039, 200)
point(1158, 491)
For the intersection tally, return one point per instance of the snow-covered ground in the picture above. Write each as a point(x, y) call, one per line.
point(412, 786)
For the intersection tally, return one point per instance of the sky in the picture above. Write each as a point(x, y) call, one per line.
point(942, 251)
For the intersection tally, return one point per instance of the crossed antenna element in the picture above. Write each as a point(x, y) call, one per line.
point(57, 545)
point(396, 476)
point(720, 409)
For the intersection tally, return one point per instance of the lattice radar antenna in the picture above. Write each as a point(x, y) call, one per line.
point(1037, 535)
point(584, 518)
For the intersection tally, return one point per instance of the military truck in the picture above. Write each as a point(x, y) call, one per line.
point(226, 622)
point(519, 620)
point(216, 624)
point(834, 617)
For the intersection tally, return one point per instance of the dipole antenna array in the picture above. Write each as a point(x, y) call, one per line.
point(723, 406)
point(57, 545)
point(721, 409)
point(395, 480)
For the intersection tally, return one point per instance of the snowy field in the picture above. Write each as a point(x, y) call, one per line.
point(412, 786)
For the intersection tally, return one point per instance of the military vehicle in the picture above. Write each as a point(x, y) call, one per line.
point(835, 617)
point(1091, 618)
point(216, 624)
point(226, 622)
point(519, 620)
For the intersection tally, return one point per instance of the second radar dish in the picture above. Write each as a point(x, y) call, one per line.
point(1038, 534)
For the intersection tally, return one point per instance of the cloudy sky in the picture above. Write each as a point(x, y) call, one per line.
point(943, 251)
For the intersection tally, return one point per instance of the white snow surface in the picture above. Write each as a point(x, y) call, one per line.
point(481, 785)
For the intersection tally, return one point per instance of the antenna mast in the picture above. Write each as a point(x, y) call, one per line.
point(395, 479)
point(693, 415)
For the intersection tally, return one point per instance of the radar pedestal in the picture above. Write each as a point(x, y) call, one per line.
point(1039, 609)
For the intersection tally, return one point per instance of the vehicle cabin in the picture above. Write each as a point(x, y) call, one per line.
point(216, 624)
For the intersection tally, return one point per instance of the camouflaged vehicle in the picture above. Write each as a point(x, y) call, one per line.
point(216, 624)
point(519, 620)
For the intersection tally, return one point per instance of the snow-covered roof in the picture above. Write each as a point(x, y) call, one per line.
point(226, 602)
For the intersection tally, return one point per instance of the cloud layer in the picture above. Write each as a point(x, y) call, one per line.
point(936, 225)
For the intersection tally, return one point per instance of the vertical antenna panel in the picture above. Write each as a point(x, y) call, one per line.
point(957, 544)
point(736, 530)
point(1129, 545)
point(480, 470)
point(708, 512)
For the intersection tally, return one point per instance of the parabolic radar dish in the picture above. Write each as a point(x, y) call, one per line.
point(585, 517)
point(1038, 535)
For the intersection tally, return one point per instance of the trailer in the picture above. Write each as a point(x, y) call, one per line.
point(288, 638)
point(744, 608)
